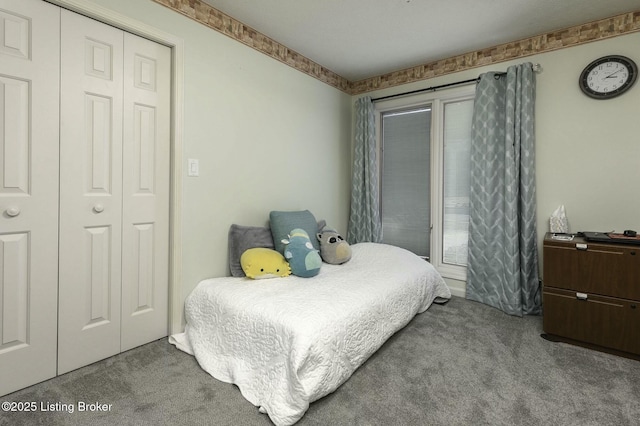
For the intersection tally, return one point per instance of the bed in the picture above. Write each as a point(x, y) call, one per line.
point(286, 342)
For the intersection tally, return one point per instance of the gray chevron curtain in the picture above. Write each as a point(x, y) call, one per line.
point(503, 265)
point(364, 218)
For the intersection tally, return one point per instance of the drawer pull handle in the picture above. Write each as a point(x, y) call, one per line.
point(581, 296)
point(581, 246)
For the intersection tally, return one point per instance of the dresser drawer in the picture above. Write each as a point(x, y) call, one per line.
point(606, 270)
point(604, 321)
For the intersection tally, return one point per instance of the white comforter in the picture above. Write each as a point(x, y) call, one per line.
point(286, 342)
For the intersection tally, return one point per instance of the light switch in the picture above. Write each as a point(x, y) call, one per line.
point(193, 167)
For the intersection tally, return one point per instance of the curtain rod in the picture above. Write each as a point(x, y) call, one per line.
point(432, 88)
point(537, 68)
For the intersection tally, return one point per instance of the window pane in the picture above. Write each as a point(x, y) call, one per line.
point(457, 143)
point(405, 194)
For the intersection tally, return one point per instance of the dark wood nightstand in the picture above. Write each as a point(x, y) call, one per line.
point(591, 295)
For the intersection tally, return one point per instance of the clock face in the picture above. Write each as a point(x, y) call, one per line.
point(608, 77)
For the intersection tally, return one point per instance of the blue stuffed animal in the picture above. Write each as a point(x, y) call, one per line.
point(305, 261)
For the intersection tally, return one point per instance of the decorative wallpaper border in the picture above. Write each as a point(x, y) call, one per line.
point(569, 37)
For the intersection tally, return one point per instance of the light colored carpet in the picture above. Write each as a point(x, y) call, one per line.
point(463, 363)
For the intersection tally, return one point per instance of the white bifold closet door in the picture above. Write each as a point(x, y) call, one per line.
point(29, 90)
point(90, 191)
point(114, 191)
point(84, 191)
point(146, 164)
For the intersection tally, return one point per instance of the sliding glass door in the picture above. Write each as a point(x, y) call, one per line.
point(405, 189)
point(424, 184)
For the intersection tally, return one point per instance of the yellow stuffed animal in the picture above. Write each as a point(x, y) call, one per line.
point(259, 263)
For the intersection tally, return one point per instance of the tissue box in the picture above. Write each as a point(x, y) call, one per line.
point(558, 222)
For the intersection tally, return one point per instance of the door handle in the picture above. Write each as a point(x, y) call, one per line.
point(12, 211)
point(98, 208)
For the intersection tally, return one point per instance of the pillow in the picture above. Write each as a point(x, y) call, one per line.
point(303, 259)
point(242, 238)
point(282, 223)
point(259, 263)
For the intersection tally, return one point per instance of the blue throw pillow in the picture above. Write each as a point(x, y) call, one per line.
point(282, 223)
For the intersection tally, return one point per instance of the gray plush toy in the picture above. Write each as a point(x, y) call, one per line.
point(333, 248)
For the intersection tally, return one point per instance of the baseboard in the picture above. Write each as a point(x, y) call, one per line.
point(459, 292)
point(457, 287)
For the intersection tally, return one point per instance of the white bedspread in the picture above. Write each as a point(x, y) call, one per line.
point(286, 342)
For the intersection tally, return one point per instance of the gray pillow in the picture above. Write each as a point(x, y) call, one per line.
point(242, 238)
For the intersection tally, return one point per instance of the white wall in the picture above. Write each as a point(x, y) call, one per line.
point(268, 137)
point(587, 151)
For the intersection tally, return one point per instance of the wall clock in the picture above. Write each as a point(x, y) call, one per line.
point(608, 77)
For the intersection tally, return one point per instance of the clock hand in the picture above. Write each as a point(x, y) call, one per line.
point(612, 75)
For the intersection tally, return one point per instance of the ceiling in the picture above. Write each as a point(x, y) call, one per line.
point(358, 39)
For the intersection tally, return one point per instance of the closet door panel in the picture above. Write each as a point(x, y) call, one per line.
point(16, 144)
point(146, 165)
point(29, 115)
point(90, 191)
